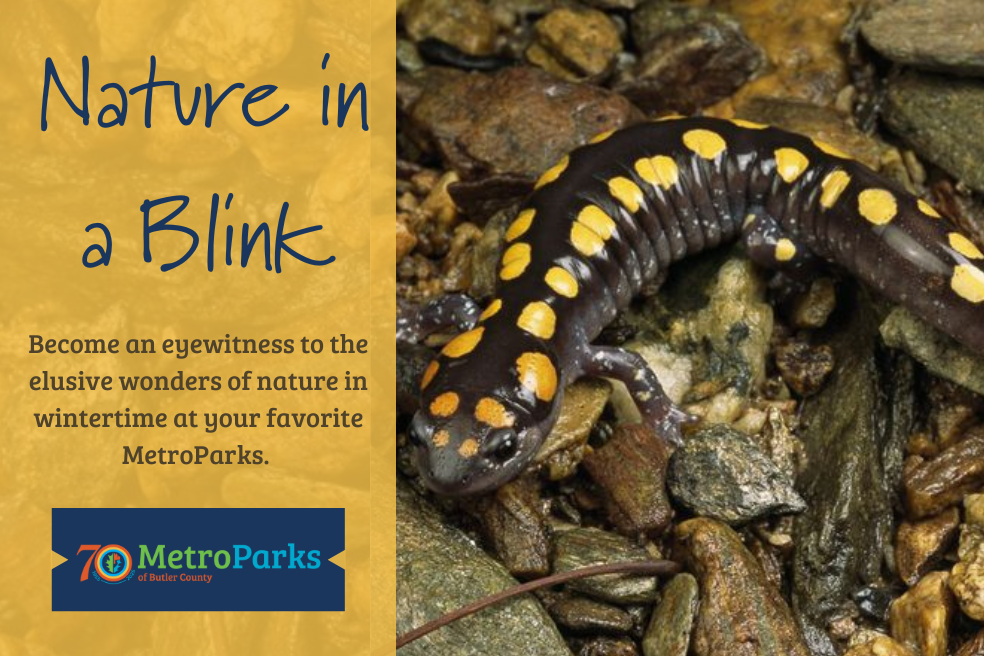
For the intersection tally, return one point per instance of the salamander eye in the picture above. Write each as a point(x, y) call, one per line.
point(501, 445)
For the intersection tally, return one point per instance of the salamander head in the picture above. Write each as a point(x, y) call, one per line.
point(479, 425)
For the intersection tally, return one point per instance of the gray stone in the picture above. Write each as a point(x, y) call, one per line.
point(668, 632)
point(939, 353)
point(720, 473)
point(942, 35)
point(590, 546)
point(853, 433)
point(438, 569)
point(941, 119)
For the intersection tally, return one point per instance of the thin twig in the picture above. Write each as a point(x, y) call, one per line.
point(638, 567)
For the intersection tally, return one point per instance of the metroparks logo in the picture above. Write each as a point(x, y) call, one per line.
point(113, 564)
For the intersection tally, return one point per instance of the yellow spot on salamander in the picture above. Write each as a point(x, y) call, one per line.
point(562, 282)
point(833, 186)
point(968, 282)
point(658, 171)
point(705, 143)
point(626, 192)
point(468, 448)
point(491, 412)
point(790, 164)
point(877, 206)
point(751, 125)
point(441, 438)
point(586, 241)
point(519, 227)
point(464, 343)
point(598, 138)
point(749, 220)
point(927, 209)
point(491, 310)
point(964, 246)
point(553, 172)
point(670, 117)
point(830, 150)
point(538, 319)
point(444, 405)
point(514, 261)
point(429, 374)
point(595, 219)
point(537, 374)
point(785, 250)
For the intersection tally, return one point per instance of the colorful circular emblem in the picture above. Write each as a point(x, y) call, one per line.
point(113, 563)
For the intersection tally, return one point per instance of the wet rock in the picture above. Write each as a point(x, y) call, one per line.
point(875, 601)
point(519, 120)
point(920, 619)
point(940, 118)
point(588, 616)
point(575, 43)
point(880, 646)
point(853, 432)
point(668, 632)
point(920, 545)
point(608, 647)
point(967, 578)
point(590, 546)
point(438, 570)
point(804, 367)
point(930, 35)
point(691, 58)
point(720, 473)
point(823, 123)
point(731, 329)
point(465, 24)
point(943, 481)
point(741, 613)
point(939, 353)
point(566, 444)
point(974, 509)
point(973, 647)
point(802, 41)
point(515, 525)
point(630, 471)
point(811, 310)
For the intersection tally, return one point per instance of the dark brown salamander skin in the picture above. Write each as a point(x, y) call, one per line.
point(616, 213)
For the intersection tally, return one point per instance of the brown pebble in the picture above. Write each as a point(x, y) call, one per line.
point(943, 481)
point(405, 239)
point(575, 43)
point(812, 309)
point(973, 647)
point(741, 613)
point(514, 523)
point(804, 367)
point(880, 646)
point(586, 615)
point(920, 545)
point(630, 470)
point(967, 578)
point(920, 619)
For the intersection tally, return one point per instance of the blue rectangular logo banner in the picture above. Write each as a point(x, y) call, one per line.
point(198, 559)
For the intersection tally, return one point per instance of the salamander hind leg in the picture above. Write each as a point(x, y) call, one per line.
point(768, 245)
point(630, 368)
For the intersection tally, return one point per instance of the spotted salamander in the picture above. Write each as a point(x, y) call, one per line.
point(615, 214)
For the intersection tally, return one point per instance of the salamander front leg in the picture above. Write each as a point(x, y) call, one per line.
point(415, 323)
point(656, 407)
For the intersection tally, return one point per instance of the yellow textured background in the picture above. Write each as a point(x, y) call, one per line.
point(53, 184)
